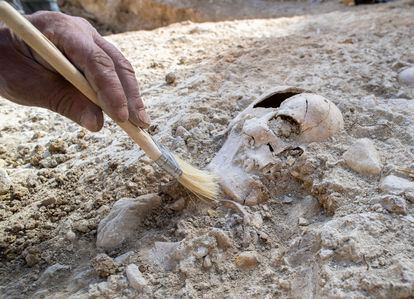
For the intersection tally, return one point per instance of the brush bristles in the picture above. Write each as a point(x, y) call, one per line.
point(203, 184)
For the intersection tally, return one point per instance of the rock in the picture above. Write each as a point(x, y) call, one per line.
point(57, 147)
point(70, 235)
point(200, 252)
point(32, 259)
point(135, 277)
point(362, 157)
point(396, 185)
point(247, 260)
point(325, 253)
point(170, 78)
point(223, 240)
point(82, 226)
point(163, 254)
point(121, 259)
point(47, 201)
point(104, 265)
point(53, 272)
point(207, 262)
point(182, 132)
point(124, 219)
point(303, 222)
point(409, 196)
point(5, 182)
point(394, 204)
point(178, 205)
point(406, 77)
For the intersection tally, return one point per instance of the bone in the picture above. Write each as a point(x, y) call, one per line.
point(283, 120)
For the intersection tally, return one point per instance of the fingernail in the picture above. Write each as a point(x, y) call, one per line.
point(144, 117)
point(89, 120)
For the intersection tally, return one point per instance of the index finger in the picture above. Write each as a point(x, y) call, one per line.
point(126, 74)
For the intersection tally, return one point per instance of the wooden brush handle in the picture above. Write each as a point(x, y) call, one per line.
point(48, 51)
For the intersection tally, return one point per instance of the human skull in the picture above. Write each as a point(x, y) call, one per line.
point(286, 118)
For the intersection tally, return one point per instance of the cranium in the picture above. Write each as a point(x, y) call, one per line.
point(283, 119)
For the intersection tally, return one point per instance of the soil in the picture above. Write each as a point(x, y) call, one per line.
point(329, 232)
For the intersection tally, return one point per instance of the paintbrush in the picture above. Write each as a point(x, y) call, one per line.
point(201, 183)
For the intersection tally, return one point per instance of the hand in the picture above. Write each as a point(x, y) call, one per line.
point(27, 79)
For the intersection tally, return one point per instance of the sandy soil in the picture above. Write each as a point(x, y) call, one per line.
point(330, 233)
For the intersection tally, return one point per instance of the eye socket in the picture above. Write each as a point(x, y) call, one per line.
point(275, 100)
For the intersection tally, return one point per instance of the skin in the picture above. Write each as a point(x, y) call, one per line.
point(26, 79)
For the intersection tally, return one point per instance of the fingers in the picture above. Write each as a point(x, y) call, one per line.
point(99, 70)
point(33, 85)
point(71, 103)
point(126, 74)
point(107, 70)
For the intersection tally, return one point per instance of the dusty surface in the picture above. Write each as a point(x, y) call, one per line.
point(330, 231)
point(124, 15)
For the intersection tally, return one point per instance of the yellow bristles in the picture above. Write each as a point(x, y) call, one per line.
point(203, 184)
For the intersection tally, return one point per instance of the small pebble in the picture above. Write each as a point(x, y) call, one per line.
point(123, 257)
point(200, 252)
point(32, 259)
point(104, 265)
point(178, 205)
point(222, 238)
point(5, 182)
point(406, 77)
point(135, 277)
point(246, 260)
point(362, 157)
point(170, 78)
point(303, 222)
point(70, 235)
point(394, 204)
point(57, 147)
point(396, 185)
point(207, 262)
point(325, 253)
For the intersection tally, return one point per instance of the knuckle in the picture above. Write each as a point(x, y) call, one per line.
point(125, 66)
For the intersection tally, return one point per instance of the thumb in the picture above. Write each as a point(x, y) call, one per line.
point(71, 103)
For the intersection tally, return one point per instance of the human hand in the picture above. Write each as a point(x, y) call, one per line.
point(27, 79)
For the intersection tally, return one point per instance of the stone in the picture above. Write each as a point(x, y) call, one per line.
point(247, 260)
point(325, 253)
point(124, 219)
point(303, 222)
point(135, 277)
point(163, 254)
point(47, 201)
point(170, 78)
point(222, 238)
point(406, 77)
point(200, 252)
point(394, 204)
point(121, 259)
point(57, 147)
point(53, 273)
point(178, 205)
point(70, 235)
point(32, 259)
point(207, 262)
point(396, 185)
point(409, 196)
point(104, 265)
point(5, 182)
point(363, 157)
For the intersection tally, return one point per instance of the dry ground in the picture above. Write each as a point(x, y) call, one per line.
point(65, 180)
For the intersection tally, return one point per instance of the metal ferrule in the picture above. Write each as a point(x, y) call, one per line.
point(168, 162)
